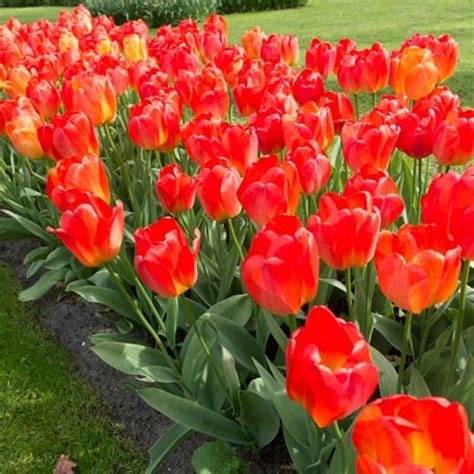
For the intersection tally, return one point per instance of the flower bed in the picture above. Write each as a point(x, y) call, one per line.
point(286, 252)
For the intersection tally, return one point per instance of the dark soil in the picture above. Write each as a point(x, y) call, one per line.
point(71, 322)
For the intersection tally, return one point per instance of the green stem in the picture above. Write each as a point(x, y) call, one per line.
point(413, 195)
point(459, 325)
point(420, 190)
point(424, 337)
point(368, 300)
point(349, 294)
point(340, 440)
point(236, 241)
point(356, 106)
point(374, 99)
point(292, 323)
point(403, 357)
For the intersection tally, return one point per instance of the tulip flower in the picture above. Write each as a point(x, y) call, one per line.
point(22, 129)
point(453, 139)
point(211, 43)
point(417, 267)
point(321, 57)
point(443, 100)
point(6, 108)
point(163, 258)
point(343, 47)
point(341, 108)
point(387, 110)
point(312, 165)
point(346, 229)
point(240, 145)
point(403, 434)
point(44, 97)
point(175, 189)
point(217, 184)
point(92, 94)
point(329, 369)
point(364, 143)
point(308, 86)
point(92, 230)
point(134, 48)
point(252, 42)
point(216, 22)
point(269, 188)
point(230, 61)
point(383, 190)
point(281, 268)
point(85, 174)
point(449, 203)
point(269, 127)
point(278, 48)
point(414, 72)
point(250, 87)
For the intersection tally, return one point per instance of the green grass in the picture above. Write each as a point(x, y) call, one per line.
point(45, 410)
point(387, 21)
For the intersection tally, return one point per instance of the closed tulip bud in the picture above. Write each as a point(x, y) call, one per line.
point(406, 435)
point(163, 258)
point(252, 42)
point(134, 48)
point(175, 189)
point(383, 190)
point(343, 47)
point(217, 184)
point(269, 127)
point(281, 268)
point(453, 139)
point(250, 87)
point(85, 174)
point(449, 203)
point(341, 108)
point(240, 145)
point(417, 267)
point(329, 369)
point(44, 97)
point(269, 188)
point(314, 169)
point(92, 94)
point(92, 230)
point(16, 82)
point(413, 72)
point(364, 143)
point(308, 86)
point(22, 129)
point(68, 135)
point(321, 57)
point(346, 229)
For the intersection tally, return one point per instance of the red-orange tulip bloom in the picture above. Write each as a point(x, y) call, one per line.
point(92, 230)
point(175, 189)
point(217, 185)
point(383, 190)
point(68, 135)
point(250, 87)
point(418, 266)
point(453, 139)
point(346, 229)
point(329, 369)
point(92, 94)
point(308, 86)
point(321, 57)
point(278, 48)
point(252, 42)
point(449, 203)
point(269, 188)
point(404, 435)
point(22, 129)
point(387, 110)
point(343, 47)
point(341, 108)
point(269, 127)
point(281, 269)
point(163, 258)
point(85, 173)
point(240, 145)
point(6, 108)
point(313, 167)
point(44, 96)
point(230, 61)
point(413, 72)
point(365, 70)
point(364, 143)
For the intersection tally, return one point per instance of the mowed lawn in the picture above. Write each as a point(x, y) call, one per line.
point(387, 21)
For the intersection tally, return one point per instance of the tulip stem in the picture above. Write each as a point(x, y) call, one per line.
point(340, 440)
point(403, 357)
point(349, 294)
point(292, 323)
point(356, 105)
point(368, 300)
point(374, 100)
point(420, 190)
point(235, 239)
point(459, 325)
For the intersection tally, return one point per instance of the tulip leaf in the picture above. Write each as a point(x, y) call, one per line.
point(392, 331)
point(231, 376)
point(335, 283)
point(463, 391)
point(237, 308)
point(172, 320)
point(113, 337)
point(275, 330)
point(10, 229)
point(165, 445)
point(33, 229)
point(432, 357)
point(193, 415)
point(216, 457)
point(387, 374)
point(158, 374)
point(417, 386)
point(43, 285)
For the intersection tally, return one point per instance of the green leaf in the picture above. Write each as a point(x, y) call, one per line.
point(58, 258)
point(275, 330)
point(193, 415)
point(259, 416)
point(392, 331)
point(463, 391)
point(215, 457)
point(43, 285)
point(335, 283)
point(417, 386)
point(237, 308)
point(387, 374)
point(33, 229)
point(167, 443)
point(172, 320)
point(10, 229)
point(128, 358)
point(113, 337)
point(158, 374)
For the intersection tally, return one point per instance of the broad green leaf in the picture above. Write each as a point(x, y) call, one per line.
point(215, 457)
point(43, 285)
point(58, 258)
point(463, 391)
point(158, 374)
point(114, 337)
point(417, 386)
point(193, 415)
point(31, 227)
point(275, 330)
point(10, 229)
point(172, 320)
point(392, 331)
point(237, 308)
point(387, 374)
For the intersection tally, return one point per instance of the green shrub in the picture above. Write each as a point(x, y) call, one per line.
point(37, 3)
point(234, 6)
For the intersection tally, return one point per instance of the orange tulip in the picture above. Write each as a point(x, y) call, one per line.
point(44, 97)
point(341, 108)
point(418, 266)
point(252, 42)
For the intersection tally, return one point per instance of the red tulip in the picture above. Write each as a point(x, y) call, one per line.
point(230, 61)
point(252, 42)
point(269, 188)
point(85, 174)
point(321, 57)
point(278, 48)
point(250, 87)
point(364, 143)
point(387, 110)
point(404, 435)
point(217, 185)
point(281, 268)
point(269, 127)
point(343, 47)
point(68, 135)
point(92, 230)
point(346, 229)
point(329, 369)
point(163, 258)
point(383, 190)
point(175, 189)
point(6, 109)
point(417, 267)
point(44, 97)
point(341, 108)
point(240, 145)
point(308, 86)
point(216, 22)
